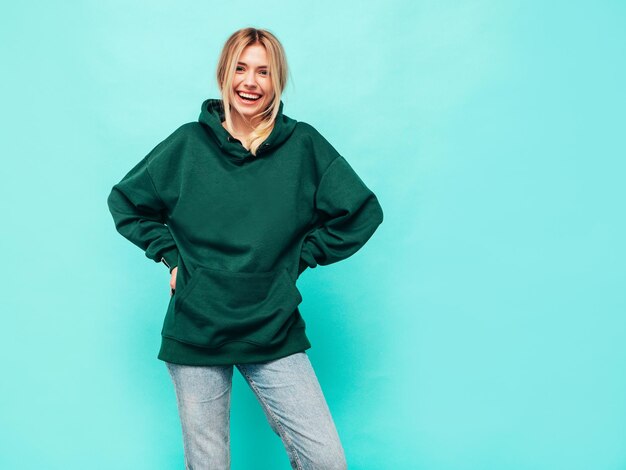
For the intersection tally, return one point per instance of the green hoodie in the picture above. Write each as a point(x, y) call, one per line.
point(241, 229)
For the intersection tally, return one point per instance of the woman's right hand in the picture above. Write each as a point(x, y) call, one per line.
point(173, 281)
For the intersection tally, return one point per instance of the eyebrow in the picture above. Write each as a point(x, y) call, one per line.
point(260, 66)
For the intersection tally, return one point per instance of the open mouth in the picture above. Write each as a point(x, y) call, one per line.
point(248, 97)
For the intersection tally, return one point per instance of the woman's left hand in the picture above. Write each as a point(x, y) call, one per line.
point(173, 281)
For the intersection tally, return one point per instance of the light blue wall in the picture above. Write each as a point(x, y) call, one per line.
point(482, 327)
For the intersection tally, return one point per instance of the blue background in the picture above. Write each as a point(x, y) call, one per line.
point(482, 326)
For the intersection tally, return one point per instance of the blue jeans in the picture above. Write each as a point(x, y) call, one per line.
point(290, 395)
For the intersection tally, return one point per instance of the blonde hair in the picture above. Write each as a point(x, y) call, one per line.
point(227, 65)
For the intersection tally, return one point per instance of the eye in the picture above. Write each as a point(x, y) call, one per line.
point(265, 72)
point(239, 67)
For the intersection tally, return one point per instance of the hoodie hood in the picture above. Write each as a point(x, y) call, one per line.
point(212, 115)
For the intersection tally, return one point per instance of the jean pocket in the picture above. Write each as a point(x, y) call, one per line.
point(217, 307)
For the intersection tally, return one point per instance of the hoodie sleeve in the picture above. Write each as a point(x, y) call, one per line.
point(140, 215)
point(350, 214)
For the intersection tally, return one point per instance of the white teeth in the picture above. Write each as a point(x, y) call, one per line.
point(248, 96)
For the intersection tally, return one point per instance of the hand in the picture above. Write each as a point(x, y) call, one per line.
point(173, 281)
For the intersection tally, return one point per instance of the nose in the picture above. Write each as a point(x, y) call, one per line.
point(249, 79)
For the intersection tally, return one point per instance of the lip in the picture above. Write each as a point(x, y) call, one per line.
point(253, 103)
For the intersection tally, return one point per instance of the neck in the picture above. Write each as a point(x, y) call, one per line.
point(241, 127)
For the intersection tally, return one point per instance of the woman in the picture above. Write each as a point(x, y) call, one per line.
point(237, 205)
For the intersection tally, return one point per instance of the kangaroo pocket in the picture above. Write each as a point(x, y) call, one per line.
point(217, 307)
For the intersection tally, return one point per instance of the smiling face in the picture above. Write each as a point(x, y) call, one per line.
point(252, 80)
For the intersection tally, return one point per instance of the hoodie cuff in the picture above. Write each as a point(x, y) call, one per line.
point(307, 258)
point(170, 258)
